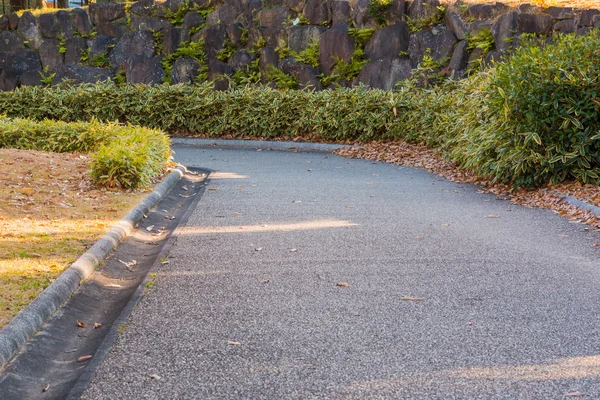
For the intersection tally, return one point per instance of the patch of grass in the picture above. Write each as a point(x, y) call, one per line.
point(50, 214)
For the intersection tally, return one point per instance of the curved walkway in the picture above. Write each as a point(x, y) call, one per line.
point(309, 276)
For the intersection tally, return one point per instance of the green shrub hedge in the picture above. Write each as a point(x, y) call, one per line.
point(530, 120)
point(122, 156)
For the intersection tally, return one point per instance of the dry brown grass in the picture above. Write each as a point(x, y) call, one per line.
point(50, 214)
point(580, 4)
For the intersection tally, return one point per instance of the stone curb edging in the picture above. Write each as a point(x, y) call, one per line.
point(583, 205)
point(32, 317)
point(261, 144)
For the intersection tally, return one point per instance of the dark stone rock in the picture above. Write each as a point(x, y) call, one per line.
point(290, 66)
point(583, 31)
point(301, 36)
point(13, 21)
point(561, 12)
point(192, 20)
point(308, 78)
point(101, 44)
point(77, 74)
point(224, 15)
point(396, 11)
point(106, 12)
point(10, 42)
point(460, 57)
point(184, 70)
point(3, 23)
point(456, 25)
point(29, 30)
point(171, 40)
point(253, 7)
point(240, 59)
point(526, 9)
point(134, 43)
point(295, 5)
point(81, 21)
point(143, 8)
point(168, 5)
point(360, 15)
point(423, 9)
point(213, 39)
point(234, 33)
point(20, 61)
point(477, 25)
point(335, 43)
point(317, 12)
point(503, 31)
point(150, 24)
point(273, 17)
point(436, 42)
point(534, 23)
point(492, 58)
point(274, 36)
point(384, 74)
point(597, 21)
point(50, 54)
point(31, 78)
point(144, 69)
point(217, 69)
point(268, 58)
point(112, 29)
point(75, 46)
point(340, 11)
point(566, 26)
point(388, 42)
point(65, 23)
point(481, 11)
point(475, 59)
point(8, 81)
point(587, 17)
point(48, 24)
point(273, 3)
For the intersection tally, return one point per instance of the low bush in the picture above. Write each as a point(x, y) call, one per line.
point(530, 120)
point(122, 156)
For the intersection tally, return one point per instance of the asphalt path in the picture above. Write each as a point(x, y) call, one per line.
point(309, 276)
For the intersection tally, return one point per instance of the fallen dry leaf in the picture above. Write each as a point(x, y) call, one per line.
point(80, 324)
point(214, 189)
point(492, 216)
point(258, 249)
point(293, 250)
point(37, 255)
point(84, 358)
point(47, 388)
point(471, 323)
point(233, 343)
point(342, 284)
point(155, 377)
point(596, 245)
point(445, 225)
point(574, 394)
point(408, 298)
point(149, 228)
point(97, 325)
point(265, 281)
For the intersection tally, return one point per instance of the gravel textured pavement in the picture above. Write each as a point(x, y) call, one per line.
point(451, 293)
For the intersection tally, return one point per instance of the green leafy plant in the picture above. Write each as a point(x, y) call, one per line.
point(194, 50)
point(100, 60)
point(481, 39)
point(259, 45)
point(227, 50)
point(418, 24)
point(348, 71)
point(249, 74)
point(84, 55)
point(281, 79)
point(120, 77)
point(283, 50)
point(362, 36)
point(158, 41)
point(46, 77)
point(310, 55)
point(378, 10)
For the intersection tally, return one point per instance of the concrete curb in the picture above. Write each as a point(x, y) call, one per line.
point(261, 144)
point(32, 317)
point(583, 205)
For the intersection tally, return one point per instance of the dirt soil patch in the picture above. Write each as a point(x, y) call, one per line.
point(50, 214)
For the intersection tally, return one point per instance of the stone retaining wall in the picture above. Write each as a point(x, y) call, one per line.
point(137, 43)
